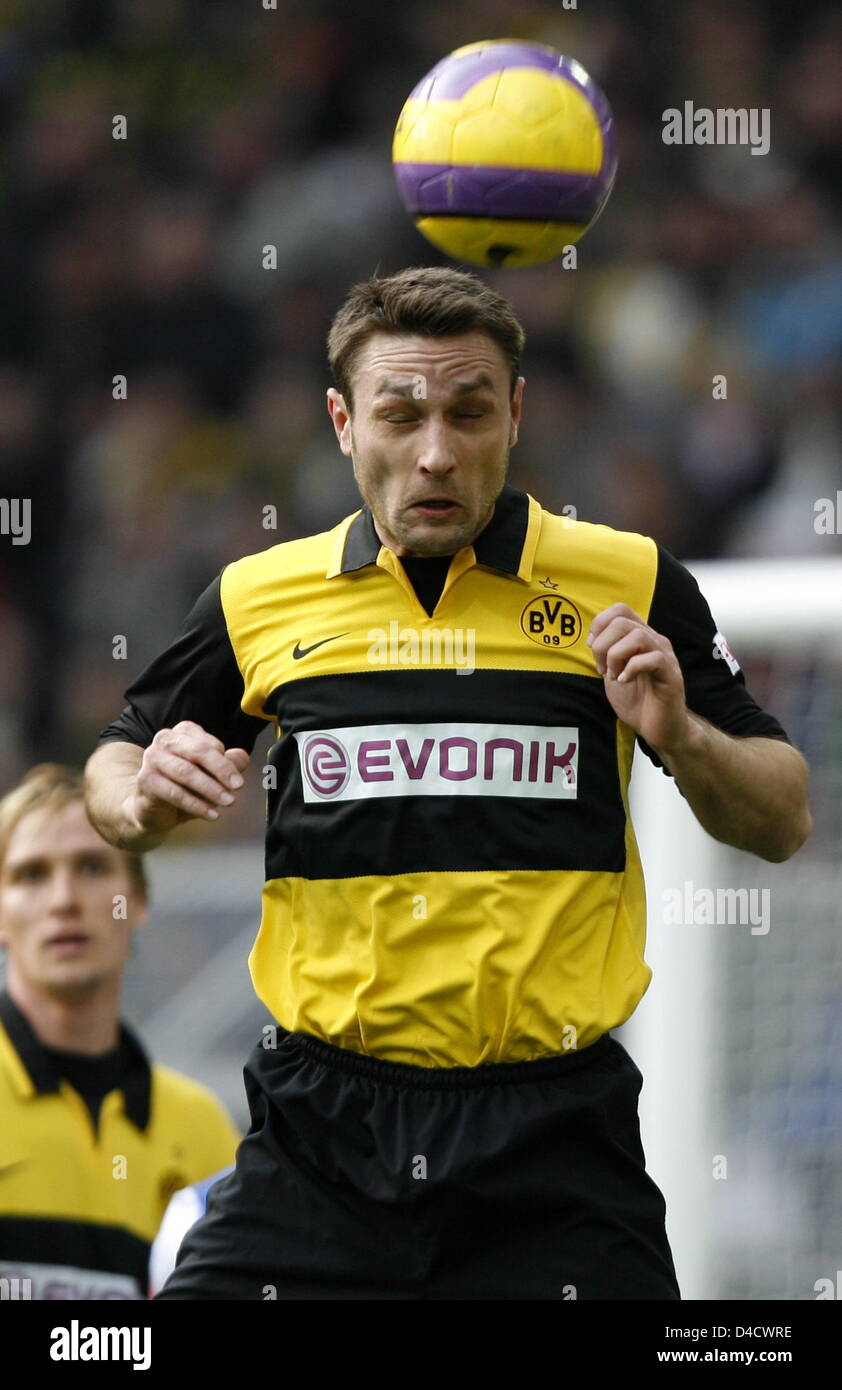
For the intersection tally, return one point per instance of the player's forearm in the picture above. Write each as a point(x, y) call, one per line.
point(110, 779)
point(746, 792)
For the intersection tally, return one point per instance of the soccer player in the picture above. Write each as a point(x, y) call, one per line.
point(453, 915)
point(93, 1139)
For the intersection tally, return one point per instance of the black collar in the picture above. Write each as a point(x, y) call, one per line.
point(136, 1086)
point(499, 546)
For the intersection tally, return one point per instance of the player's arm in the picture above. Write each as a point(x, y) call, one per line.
point(136, 796)
point(751, 793)
point(179, 749)
point(676, 684)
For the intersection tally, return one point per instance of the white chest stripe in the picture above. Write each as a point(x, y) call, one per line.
point(22, 1280)
point(523, 760)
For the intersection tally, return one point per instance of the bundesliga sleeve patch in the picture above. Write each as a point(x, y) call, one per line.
point(723, 652)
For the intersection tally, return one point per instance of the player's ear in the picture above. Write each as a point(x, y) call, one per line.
point(341, 417)
point(516, 408)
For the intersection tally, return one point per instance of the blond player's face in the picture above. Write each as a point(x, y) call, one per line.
point(432, 424)
point(61, 892)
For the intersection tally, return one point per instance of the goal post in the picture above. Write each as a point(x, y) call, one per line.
point(725, 1034)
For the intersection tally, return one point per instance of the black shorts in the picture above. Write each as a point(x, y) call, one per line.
point(368, 1179)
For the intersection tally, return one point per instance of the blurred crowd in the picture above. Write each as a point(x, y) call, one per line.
point(249, 126)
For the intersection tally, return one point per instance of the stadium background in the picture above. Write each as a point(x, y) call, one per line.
point(143, 256)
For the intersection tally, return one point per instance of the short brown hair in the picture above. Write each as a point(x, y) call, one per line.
point(51, 787)
point(431, 301)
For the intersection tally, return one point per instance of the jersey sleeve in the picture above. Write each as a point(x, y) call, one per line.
point(714, 683)
point(196, 678)
point(185, 1208)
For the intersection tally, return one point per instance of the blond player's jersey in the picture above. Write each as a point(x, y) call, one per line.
point(452, 876)
point(81, 1200)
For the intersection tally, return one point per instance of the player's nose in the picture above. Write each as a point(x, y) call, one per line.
point(63, 893)
point(436, 452)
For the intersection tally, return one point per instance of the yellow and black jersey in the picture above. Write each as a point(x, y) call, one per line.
point(85, 1179)
point(452, 877)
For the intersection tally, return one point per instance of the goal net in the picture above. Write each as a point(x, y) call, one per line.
point(739, 1036)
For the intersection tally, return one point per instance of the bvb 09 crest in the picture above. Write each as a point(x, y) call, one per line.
point(552, 621)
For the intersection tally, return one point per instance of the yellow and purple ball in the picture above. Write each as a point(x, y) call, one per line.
point(505, 153)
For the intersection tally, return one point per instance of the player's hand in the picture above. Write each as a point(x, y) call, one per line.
point(643, 679)
point(185, 773)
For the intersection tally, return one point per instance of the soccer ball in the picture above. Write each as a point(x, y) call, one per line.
point(504, 153)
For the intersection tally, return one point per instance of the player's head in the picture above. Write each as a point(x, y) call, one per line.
point(427, 402)
point(69, 902)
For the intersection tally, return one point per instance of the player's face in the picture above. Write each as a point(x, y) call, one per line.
point(57, 903)
point(432, 424)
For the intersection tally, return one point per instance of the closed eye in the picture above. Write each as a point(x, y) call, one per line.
point(412, 419)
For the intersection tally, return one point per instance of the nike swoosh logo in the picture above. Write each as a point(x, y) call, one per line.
point(7, 1167)
point(298, 652)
